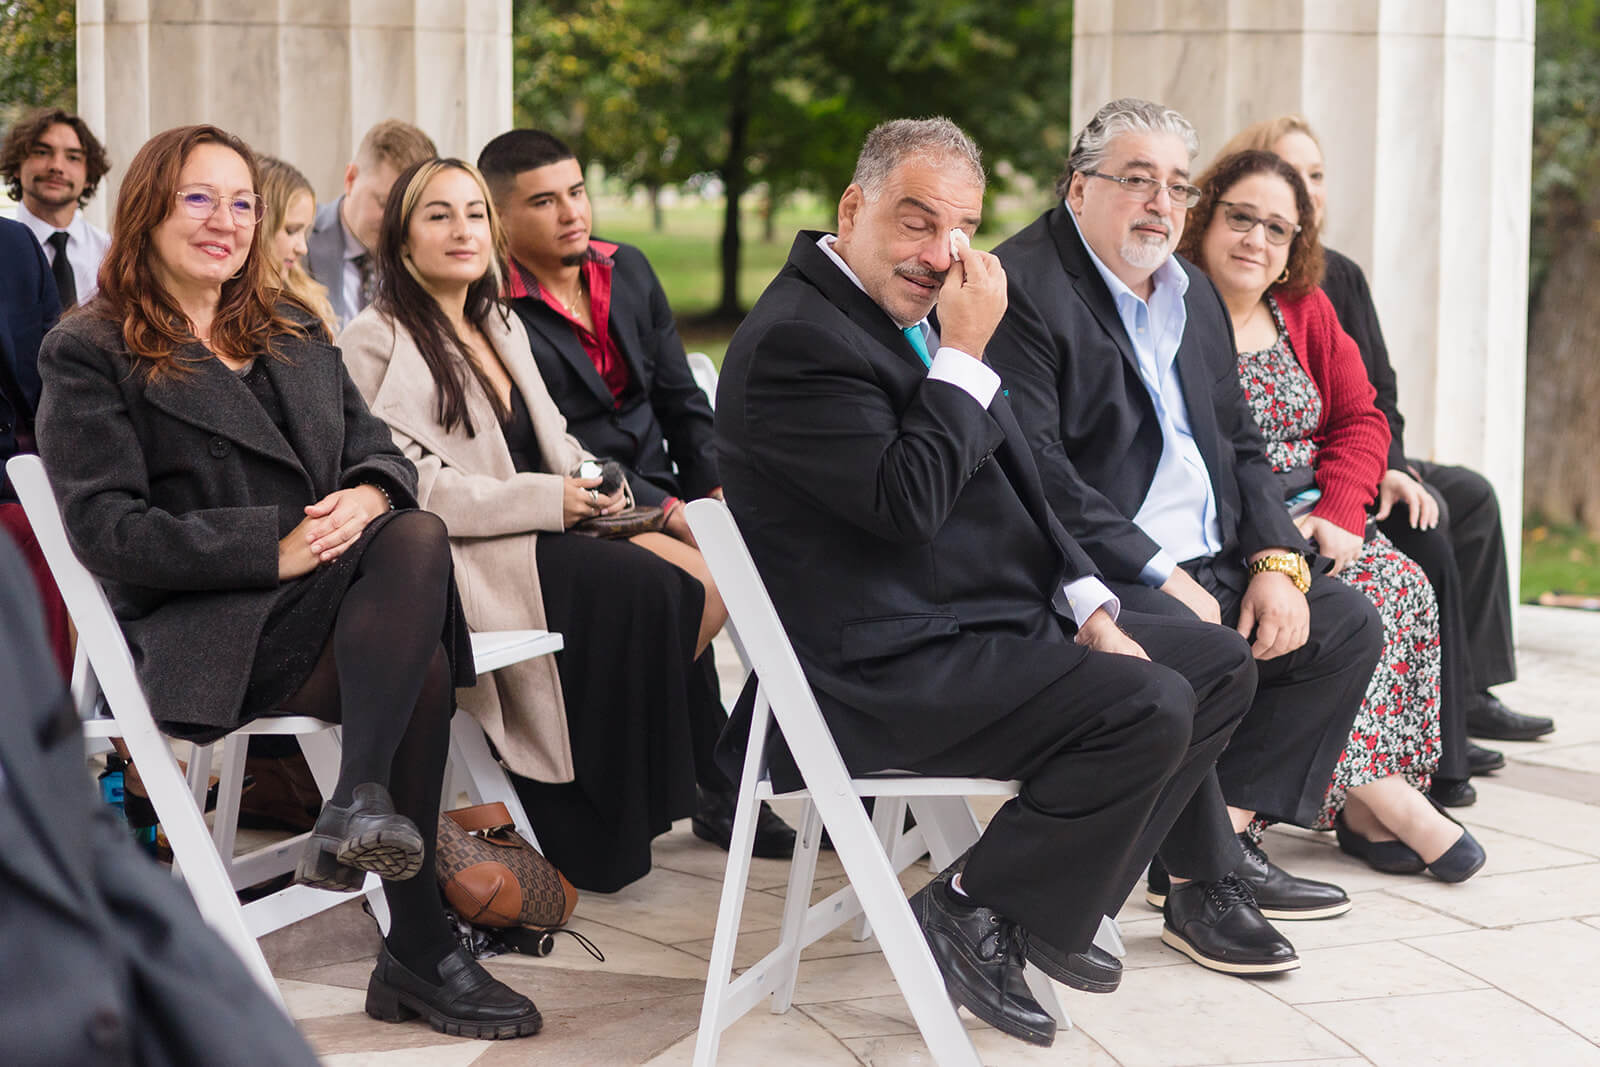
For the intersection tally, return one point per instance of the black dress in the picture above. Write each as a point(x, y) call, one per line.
point(629, 621)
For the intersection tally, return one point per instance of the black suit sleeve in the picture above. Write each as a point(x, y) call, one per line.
point(818, 417)
point(1021, 350)
point(679, 403)
point(645, 492)
point(1347, 289)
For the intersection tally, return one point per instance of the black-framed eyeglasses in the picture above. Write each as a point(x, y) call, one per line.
point(1183, 194)
point(1279, 231)
point(200, 203)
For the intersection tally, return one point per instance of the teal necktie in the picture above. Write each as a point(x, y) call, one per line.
point(914, 335)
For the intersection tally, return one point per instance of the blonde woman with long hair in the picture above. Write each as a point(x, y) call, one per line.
point(291, 208)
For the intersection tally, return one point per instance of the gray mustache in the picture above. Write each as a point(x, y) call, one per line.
point(922, 272)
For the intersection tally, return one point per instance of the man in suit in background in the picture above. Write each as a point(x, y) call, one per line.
point(946, 621)
point(603, 336)
point(52, 164)
point(103, 957)
point(341, 251)
point(28, 309)
point(1150, 456)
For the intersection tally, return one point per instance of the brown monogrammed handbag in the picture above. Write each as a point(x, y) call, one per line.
point(492, 877)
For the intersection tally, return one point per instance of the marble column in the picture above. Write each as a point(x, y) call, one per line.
point(300, 79)
point(1425, 113)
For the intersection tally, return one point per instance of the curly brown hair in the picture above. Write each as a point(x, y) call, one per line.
point(153, 326)
point(1304, 270)
point(29, 128)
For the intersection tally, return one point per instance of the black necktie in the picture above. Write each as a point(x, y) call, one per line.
point(369, 279)
point(61, 269)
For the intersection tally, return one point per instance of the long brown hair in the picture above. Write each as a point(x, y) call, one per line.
point(153, 326)
point(1304, 269)
point(402, 298)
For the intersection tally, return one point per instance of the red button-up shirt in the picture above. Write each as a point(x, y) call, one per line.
point(598, 343)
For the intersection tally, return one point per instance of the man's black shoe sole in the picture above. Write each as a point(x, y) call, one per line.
point(1330, 911)
point(1069, 978)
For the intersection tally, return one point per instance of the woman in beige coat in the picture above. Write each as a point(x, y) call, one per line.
point(599, 736)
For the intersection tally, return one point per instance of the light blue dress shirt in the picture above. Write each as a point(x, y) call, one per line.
point(1179, 512)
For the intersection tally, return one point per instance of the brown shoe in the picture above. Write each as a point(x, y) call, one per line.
point(284, 795)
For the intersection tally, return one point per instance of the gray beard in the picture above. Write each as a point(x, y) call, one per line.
point(1145, 255)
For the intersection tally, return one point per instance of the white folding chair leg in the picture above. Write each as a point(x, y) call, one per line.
point(199, 773)
point(486, 780)
point(948, 826)
point(888, 816)
point(321, 751)
point(1109, 937)
point(225, 823)
point(797, 903)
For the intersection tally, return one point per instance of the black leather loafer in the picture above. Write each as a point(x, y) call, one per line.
point(468, 1001)
point(368, 835)
point(1094, 970)
point(1453, 792)
point(714, 823)
point(1482, 760)
point(1390, 857)
point(1217, 925)
point(1488, 718)
point(980, 955)
point(1281, 895)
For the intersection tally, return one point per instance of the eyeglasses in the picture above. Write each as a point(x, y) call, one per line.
point(1278, 231)
point(1183, 194)
point(246, 208)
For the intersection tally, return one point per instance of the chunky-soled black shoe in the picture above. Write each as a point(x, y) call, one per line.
point(467, 1001)
point(1094, 970)
point(980, 955)
point(1482, 760)
point(366, 835)
point(1390, 857)
point(1217, 925)
point(1488, 718)
point(1281, 895)
point(1453, 792)
point(320, 867)
point(714, 823)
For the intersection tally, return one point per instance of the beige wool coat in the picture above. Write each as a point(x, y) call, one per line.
point(495, 515)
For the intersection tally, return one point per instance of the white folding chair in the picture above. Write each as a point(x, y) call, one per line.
point(111, 704)
point(945, 822)
point(705, 375)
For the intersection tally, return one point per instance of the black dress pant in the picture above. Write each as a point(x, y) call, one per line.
point(1282, 755)
point(1109, 756)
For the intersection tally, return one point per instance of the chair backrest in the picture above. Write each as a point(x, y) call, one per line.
point(705, 375)
point(104, 662)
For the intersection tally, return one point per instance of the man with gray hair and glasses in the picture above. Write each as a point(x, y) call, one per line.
point(1119, 357)
point(946, 621)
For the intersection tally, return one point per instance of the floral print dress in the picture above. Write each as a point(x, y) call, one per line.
point(1397, 728)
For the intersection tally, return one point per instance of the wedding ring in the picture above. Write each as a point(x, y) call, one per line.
point(594, 495)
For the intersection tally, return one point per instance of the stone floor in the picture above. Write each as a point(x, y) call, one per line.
point(1504, 969)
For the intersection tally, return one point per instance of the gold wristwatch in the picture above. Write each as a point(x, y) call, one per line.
point(1291, 564)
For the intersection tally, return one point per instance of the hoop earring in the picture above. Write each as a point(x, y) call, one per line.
point(1284, 276)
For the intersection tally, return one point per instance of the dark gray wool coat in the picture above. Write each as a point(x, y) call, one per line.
point(165, 486)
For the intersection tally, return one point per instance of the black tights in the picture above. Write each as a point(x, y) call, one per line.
point(385, 678)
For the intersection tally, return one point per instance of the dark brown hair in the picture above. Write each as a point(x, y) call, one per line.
point(26, 132)
point(402, 298)
point(153, 326)
point(1305, 265)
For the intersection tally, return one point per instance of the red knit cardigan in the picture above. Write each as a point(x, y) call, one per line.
point(1352, 437)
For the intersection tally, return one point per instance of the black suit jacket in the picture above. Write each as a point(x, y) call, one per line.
point(176, 492)
point(1091, 422)
point(663, 419)
point(104, 957)
point(901, 528)
point(29, 307)
point(1347, 290)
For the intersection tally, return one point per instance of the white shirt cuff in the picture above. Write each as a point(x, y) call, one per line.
point(1159, 569)
point(971, 376)
point(1088, 595)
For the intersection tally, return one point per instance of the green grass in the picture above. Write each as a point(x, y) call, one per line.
point(1558, 559)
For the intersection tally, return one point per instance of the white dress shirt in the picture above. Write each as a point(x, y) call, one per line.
point(1179, 512)
point(1084, 596)
point(86, 248)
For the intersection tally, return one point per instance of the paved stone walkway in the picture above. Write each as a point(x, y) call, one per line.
point(1503, 970)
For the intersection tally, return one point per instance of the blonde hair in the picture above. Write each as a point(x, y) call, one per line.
point(396, 143)
point(1264, 136)
point(280, 181)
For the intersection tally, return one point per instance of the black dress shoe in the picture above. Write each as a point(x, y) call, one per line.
point(714, 823)
point(1482, 760)
point(1156, 884)
point(1217, 925)
point(1487, 717)
point(980, 955)
point(1281, 895)
point(1094, 970)
point(1453, 792)
point(467, 1001)
point(1390, 857)
point(368, 835)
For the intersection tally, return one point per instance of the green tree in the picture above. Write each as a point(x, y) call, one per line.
point(38, 56)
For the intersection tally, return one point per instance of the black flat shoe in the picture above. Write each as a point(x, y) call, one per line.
point(467, 1001)
point(1482, 760)
point(1460, 861)
point(368, 835)
point(1094, 970)
point(1217, 925)
point(714, 823)
point(1281, 895)
point(1453, 792)
point(1488, 718)
point(1390, 857)
point(980, 954)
